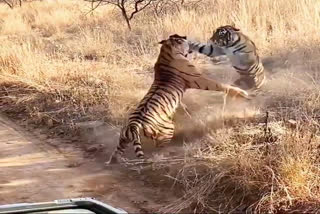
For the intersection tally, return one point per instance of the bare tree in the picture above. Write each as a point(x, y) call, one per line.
point(12, 3)
point(128, 8)
point(8, 2)
point(161, 7)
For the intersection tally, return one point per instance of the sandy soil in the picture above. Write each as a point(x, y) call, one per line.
point(33, 171)
point(34, 168)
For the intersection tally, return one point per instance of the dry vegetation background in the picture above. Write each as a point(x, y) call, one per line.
point(60, 66)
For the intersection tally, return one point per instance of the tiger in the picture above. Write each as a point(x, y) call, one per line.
point(173, 75)
point(242, 53)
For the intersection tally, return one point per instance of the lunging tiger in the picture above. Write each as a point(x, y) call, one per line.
point(174, 73)
point(241, 51)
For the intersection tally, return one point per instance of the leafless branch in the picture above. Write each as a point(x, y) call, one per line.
point(9, 3)
point(137, 9)
point(130, 8)
point(13, 3)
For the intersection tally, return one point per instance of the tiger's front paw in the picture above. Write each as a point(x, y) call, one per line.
point(235, 92)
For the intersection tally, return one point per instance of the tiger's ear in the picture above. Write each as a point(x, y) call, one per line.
point(236, 29)
point(233, 27)
point(162, 42)
point(177, 36)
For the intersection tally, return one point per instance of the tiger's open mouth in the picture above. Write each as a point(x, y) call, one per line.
point(183, 54)
point(189, 52)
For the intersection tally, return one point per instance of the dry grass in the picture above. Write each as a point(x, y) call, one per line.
point(60, 66)
point(243, 169)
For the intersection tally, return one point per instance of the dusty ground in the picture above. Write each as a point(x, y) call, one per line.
point(35, 171)
point(36, 167)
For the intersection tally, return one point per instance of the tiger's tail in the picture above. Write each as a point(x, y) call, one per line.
point(129, 134)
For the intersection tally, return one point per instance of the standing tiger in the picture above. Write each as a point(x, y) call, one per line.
point(241, 51)
point(174, 73)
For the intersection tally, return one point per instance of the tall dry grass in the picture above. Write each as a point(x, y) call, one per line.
point(61, 66)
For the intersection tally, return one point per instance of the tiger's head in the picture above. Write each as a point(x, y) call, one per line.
point(176, 44)
point(225, 36)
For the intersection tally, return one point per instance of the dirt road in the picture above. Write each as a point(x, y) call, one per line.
point(33, 171)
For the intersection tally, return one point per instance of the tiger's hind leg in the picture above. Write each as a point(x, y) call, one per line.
point(253, 85)
point(165, 136)
point(252, 79)
point(244, 82)
point(129, 134)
